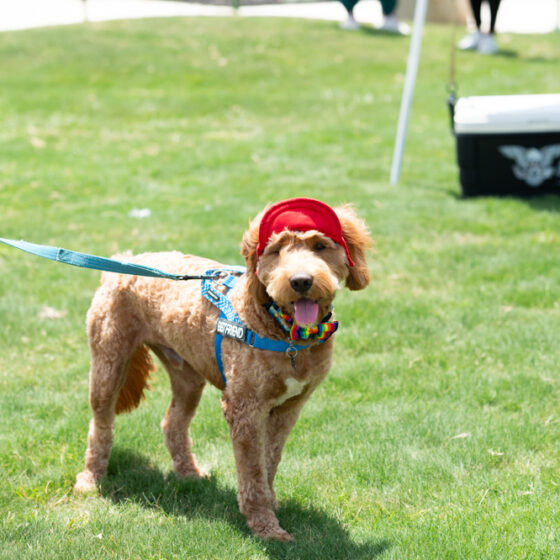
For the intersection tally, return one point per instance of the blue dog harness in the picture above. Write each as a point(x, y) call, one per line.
point(230, 325)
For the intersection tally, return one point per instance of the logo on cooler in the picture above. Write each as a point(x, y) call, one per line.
point(534, 166)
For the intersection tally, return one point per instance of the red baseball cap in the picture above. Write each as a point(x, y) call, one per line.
point(301, 214)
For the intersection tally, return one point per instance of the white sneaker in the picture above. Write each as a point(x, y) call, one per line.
point(391, 24)
point(487, 44)
point(470, 42)
point(350, 24)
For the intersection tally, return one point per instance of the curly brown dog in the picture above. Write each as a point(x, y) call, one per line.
point(298, 252)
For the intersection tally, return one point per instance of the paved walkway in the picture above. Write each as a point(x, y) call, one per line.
point(517, 16)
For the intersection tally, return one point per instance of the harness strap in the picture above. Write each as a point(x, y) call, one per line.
point(227, 312)
point(218, 351)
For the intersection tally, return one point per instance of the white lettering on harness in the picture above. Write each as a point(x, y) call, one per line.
point(230, 329)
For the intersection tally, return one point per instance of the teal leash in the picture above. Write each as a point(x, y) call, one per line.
point(94, 262)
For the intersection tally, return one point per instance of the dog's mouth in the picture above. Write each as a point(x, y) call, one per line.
point(305, 311)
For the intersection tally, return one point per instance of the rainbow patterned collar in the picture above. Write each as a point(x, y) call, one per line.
point(321, 332)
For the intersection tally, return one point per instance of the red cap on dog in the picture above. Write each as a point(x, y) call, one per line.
point(301, 214)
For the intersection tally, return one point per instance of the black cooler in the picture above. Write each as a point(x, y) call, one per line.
point(508, 144)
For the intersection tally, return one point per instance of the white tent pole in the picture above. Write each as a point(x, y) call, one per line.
point(409, 82)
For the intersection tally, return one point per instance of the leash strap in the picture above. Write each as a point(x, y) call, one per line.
point(84, 260)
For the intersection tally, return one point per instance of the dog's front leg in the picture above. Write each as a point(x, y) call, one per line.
point(248, 427)
point(280, 422)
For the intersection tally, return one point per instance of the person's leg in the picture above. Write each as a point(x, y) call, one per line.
point(350, 23)
point(494, 6)
point(388, 6)
point(349, 5)
point(471, 41)
point(475, 5)
point(487, 43)
point(391, 22)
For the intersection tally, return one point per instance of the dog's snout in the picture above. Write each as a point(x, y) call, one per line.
point(301, 282)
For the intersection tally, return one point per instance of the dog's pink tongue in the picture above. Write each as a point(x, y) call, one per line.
point(306, 311)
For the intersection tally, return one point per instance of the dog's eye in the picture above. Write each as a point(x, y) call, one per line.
point(319, 247)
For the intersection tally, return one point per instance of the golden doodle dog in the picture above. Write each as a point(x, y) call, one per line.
point(273, 344)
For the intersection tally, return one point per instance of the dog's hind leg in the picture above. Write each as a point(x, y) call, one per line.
point(187, 386)
point(114, 347)
point(106, 378)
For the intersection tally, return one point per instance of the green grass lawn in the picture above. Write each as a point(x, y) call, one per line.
point(436, 435)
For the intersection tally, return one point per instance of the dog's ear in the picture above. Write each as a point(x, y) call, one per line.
point(249, 244)
point(356, 235)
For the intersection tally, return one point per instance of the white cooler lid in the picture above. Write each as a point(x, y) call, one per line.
point(508, 113)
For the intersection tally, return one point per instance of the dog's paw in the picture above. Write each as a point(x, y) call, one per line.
point(276, 534)
point(184, 471)
point(281, 535)
point(267, 527)
point(86, 483)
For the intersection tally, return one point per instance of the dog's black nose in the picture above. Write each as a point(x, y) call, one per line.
point(301, 282)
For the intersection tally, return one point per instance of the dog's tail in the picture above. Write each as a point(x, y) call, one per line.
point(138, 368)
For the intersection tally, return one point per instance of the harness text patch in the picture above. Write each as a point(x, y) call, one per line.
point(231, 329)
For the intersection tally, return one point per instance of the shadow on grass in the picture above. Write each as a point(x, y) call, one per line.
point(545, 203)
point(538, 202)
point(370, 30)
point(506, 53)
point(318, 535)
